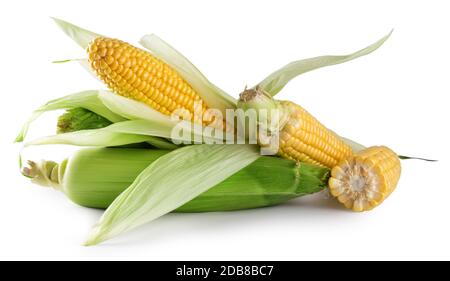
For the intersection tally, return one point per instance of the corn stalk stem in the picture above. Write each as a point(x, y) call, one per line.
point(45, 173)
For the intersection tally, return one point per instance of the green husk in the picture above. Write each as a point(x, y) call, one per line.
point(85, 99)
point(142, 124)
point(210, 93)
point(133, 122)
point(276, 81)
point(78, 119)
point(208, 178)
point(121, 133)
point(168, 183)
point(96, 176)
point(80, 35)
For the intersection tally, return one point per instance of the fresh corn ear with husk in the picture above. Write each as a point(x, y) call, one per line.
point(365, 179)
point(267, 181)
point(301, 136)
point(137, 74)
point(361, 181)
point(163, 79)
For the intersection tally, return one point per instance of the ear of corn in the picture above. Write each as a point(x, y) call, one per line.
point(137, 74)
point(265, 182)
point(301, 136)
point(360, 180)
point(132, 72)
point(364, 180)
point(212, 95)
point(170, 182)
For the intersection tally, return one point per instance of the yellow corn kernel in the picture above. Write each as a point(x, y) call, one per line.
point(364, 180)
point(135, 73)
point(305, 139)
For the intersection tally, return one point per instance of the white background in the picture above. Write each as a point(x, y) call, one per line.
point(397, 96)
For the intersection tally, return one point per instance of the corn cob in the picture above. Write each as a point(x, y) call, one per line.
point(137, 74)
point(95, 177)
point(362, 181)
point(301, 136)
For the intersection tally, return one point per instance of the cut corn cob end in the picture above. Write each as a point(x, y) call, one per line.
point(364, 180)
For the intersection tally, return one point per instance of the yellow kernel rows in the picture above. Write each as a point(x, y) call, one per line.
point(135, 73)
point(305, 139)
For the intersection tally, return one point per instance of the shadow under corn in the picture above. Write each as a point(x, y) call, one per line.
point(308, 210)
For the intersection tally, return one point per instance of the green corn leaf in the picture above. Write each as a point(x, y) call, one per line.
point(80, 35)
point(79, 118)
point(403, 157)
point(97, 137)
point(276, 81)
point(210, 93)
point(121, 133)
point(168, 183)
point(133, 131)
point(146, 123)
point(135, 110)
point(85, 99)
point(131, 109)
